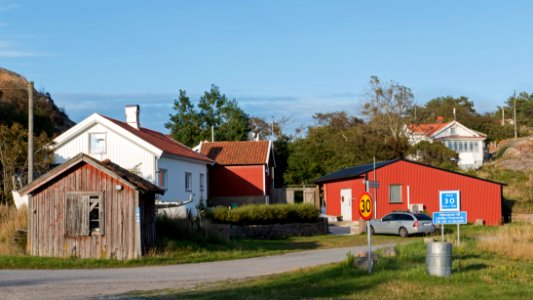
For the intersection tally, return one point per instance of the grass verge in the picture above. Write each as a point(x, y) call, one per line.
point(476, 274)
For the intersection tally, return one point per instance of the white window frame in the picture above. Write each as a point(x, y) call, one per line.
point(96, 135)
point(202, 182)
point(395, 201)
point(188, 181)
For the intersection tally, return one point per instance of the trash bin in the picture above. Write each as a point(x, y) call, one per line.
point(439, 259)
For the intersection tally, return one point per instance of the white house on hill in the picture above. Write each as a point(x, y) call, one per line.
point(468, 143)
point(156, 157)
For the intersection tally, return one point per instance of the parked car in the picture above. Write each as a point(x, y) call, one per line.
point(403, 223)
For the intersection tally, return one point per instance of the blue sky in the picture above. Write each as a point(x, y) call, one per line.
point(277, 58)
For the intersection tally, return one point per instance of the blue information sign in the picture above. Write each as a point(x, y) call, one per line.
point(449, 201)
point(458, 217)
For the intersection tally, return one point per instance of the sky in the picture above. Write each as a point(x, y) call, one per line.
point(278, 59)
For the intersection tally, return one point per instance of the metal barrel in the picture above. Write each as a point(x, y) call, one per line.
point(439, 259)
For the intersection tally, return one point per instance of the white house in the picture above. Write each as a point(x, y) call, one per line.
point(151, 154)
point(468, 143)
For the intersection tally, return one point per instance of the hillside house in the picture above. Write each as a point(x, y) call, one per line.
point(243, 171)
point(468, 143)
point(152, 155)
point(91, 209)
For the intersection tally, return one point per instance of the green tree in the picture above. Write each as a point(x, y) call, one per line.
point(524, 108)
point(436, 154)
point(14, 157)
point(191, 126)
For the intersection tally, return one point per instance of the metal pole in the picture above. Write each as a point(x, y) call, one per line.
point(442, 232)
point(369, 248)
point(458, 235)
point(375, 196)
point(514, 115)
point(30, 131)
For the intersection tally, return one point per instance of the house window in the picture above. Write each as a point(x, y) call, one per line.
point(84, 214)
point(202, 182)
point(475, 146)
point(162, 178)
point(452, 130)
point(97, 143)
point(471, 146)
point(188, 182)
point(395, 193)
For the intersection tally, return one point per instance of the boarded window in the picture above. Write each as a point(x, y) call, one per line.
point(395, 193)
point(84, 214)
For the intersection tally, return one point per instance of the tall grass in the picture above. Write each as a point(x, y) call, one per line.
point(11, 219)
point(514, 241)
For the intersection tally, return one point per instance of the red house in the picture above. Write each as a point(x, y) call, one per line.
point(408, 185)
point(243, 171)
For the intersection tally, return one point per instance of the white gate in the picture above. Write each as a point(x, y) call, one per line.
point(346, 204)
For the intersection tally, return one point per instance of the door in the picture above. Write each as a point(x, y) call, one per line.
point(346, 204)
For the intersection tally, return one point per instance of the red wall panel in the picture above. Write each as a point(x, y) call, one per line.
point(479, 198)
point(228, 181)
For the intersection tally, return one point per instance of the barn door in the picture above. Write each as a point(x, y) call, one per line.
point(346, 204)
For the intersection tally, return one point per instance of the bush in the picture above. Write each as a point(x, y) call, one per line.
point(266, 214)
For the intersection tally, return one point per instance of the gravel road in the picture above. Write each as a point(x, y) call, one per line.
point(96, 283)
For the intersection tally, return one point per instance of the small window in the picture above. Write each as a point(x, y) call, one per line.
point(202, 182)
point(84, 214)
point(475, 146)
point(97, 143)
point(162, 179)
point(188, 181)
point(395, 193)
point(452, 130)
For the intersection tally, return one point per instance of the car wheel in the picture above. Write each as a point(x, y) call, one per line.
point(403, 232)
point(372, 231)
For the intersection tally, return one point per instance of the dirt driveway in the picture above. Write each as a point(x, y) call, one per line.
point(83, 284)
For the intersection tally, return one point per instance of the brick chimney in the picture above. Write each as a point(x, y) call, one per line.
point(440, 119)
point(132, 116)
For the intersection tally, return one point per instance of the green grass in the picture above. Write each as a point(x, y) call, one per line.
point(475, 275)
point(198, 249)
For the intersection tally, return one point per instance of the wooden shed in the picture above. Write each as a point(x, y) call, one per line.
point(91, 209)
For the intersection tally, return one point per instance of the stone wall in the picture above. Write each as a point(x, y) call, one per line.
point(268, 232)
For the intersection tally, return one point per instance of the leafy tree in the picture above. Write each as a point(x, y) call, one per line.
point(13, 157)
point(389, 105)
point(524, 108)
point(444, 107)
point(436, 154)
point(191, 126)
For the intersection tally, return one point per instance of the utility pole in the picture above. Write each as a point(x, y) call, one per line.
point(514, 115)
point(30, 131)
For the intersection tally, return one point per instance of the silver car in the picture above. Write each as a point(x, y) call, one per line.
point(403, 223)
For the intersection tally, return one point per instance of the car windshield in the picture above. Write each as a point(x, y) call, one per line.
point(423, 217)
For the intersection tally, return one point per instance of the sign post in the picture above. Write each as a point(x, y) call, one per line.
point(449, 201)
point(365, 211)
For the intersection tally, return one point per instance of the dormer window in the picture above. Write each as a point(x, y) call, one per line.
point(97, 143)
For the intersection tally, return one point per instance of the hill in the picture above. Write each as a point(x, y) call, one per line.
point(515, 154)
point(14, 105)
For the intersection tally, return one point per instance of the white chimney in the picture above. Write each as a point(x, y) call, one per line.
point(132, 116)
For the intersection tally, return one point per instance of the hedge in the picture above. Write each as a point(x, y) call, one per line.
point(266, 214)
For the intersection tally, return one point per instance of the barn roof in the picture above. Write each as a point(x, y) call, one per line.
point(362, 169)
point(237, 153)
point(352, 171)
point(132, 180)
point(161, 141)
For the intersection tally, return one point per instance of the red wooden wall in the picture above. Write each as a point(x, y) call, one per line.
point(480, 199)
point(228, 181)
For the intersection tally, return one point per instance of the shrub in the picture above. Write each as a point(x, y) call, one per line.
point(11, 219)
point(266, 214)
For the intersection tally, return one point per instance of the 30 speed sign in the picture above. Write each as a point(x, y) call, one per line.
point(365, 206)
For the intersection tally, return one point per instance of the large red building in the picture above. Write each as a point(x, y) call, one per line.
point(408, 185)
point(243, 171)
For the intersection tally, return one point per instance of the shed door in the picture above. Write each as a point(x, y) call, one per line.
point(346, 204)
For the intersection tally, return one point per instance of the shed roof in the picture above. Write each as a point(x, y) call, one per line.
point(352, 171)
point(362, 169)
point(132, 180)
point(237, 153)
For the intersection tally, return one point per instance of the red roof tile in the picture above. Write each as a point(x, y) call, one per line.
point(163, 142)
point(427, 129)
point(237, 153)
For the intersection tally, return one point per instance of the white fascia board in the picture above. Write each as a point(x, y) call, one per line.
point(472, 132)
point(98, 119)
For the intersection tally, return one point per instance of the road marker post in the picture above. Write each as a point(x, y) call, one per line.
point(365, 211)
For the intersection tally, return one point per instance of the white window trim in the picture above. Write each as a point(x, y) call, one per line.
point(105, 143)
point(188, 181)
point(401, 198)
point(165, 178)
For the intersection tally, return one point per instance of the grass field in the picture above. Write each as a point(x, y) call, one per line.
point(477, 274)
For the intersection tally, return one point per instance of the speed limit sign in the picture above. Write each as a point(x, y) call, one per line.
point(365, 206)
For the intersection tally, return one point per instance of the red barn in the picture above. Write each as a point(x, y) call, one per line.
point(408, 185)
point(243, 171)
